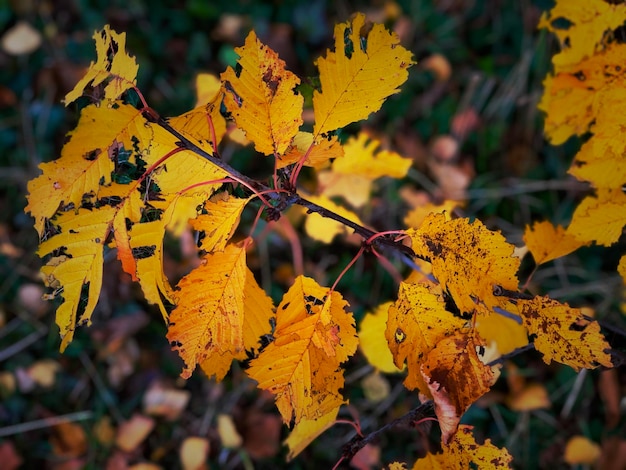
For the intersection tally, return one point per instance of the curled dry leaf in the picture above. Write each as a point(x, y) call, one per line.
point(580, 450)
point(194, 452)
point(132, 433)
point(166, 402)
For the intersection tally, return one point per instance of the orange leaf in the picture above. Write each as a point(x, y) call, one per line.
point(364, 69)
point(563, 334)
point(208, 319)
point(417, 321)
point(467, 258)
point(262, 97)
point(313, 336)
point(456, 377)
point(114, 67)
point(547, 242)
point(219, 222)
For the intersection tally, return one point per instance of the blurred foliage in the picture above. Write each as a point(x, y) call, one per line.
point(487, 101)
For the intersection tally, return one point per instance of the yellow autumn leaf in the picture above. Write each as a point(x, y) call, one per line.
point(208, 87)
point(464, 452)
point(589, 21)
point(314, 152)
point(77, 259)
point(600, 219)
point(324, 229)
point(599, 160)
point(571, 97)
point(102, 141)
point(372, 339)
point(313, 336)
point(580, 450)
point(262, 97)
point(562, 333)
point(547, 242)
point(358, 75)
point(351, 175)
point(417, 321)
point(363, 156)
point(468, 259)
point(208, 319)
point(456, 377)
point(206, 331)
point(533, 396)
point(205, 122)
point(218, 221)
point(502, 330)
point(418, 214)
point(114, 67)
point(307, 430)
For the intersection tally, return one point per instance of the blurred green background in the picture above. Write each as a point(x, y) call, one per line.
point(467, 117)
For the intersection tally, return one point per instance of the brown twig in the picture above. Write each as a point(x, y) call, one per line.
point(425, 410)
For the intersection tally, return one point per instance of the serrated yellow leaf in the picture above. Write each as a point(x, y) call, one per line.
point(547, 242)
point(114, 67)
point(103, 138)
point(599, 219)
point(357, 77)
point(456, 377)
point(262, 97)
point(464, 452)
point(258, 309)
point(325, 229)
point(307, 430)
point(590, 20)
point(372, 339)
point(204, 124)
point(351, 175)
point(208, 318)
point(220, 221)
point(313, 336)
point(562, 334)
point(316, 153)
point(599, 160)
point(468, 259)
point(417, 321)
point(363, 156)
point(354, 189)
point(571, 98)
point(418, 214)
point(79, 263)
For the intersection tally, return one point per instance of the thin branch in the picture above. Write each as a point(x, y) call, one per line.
point(425, 410)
